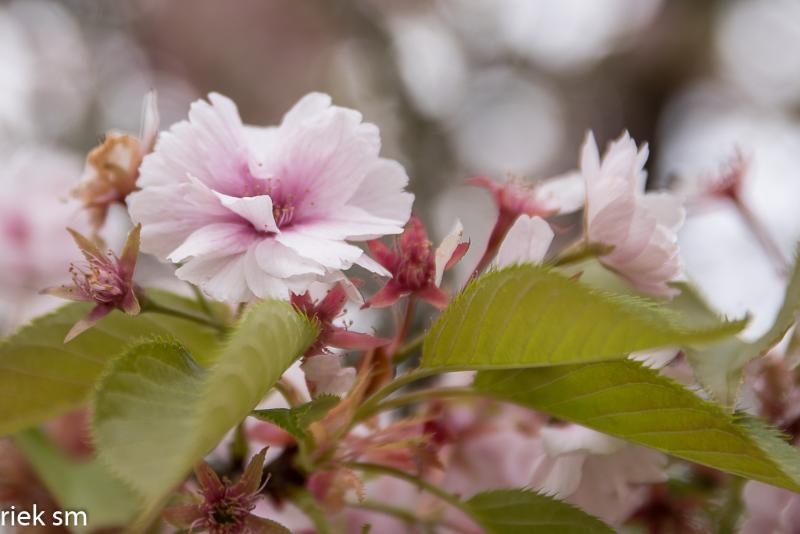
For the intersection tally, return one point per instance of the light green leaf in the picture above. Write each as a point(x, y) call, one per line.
point(296, 420)
point(523, 511)
point(157, 412)
point(527, 316)
point(629, 401)
point(41, 377)
point(719, 367)
point(86, 486)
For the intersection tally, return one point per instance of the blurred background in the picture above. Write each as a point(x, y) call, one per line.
point(458, 87)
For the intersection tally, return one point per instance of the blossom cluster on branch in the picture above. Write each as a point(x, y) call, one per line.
point(574, 377)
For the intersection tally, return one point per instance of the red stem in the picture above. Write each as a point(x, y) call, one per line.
point(402, 331)
point(504, 222)
point(764, 238)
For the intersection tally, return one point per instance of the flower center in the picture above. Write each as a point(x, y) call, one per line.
point(98, 281)
point(283, 214)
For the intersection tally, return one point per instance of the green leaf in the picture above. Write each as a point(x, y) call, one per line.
point(719, 367)
point(157, 412)
point(528, 316)
point(41, 377)
point(86, 486)
point(296, 420)
point(523, 511)
point(627, 400)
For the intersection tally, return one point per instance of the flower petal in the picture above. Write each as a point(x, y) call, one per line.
point(97, 313)
point(214, 240)
point(222, 278)
point(445, 251)
point(527, 241)
point(256, 210)
point(330, 253)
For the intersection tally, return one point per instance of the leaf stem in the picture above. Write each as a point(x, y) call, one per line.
point(407, 516)
point(391, 387)
point(579, 251)
point(153, 307)
point(417, 396)
point(305, 502)
point(732, 508)
point(379, 469)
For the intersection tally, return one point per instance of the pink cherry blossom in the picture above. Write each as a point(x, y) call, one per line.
point(324, 312)
point(516, 197)
point(526, 242)
point(223, 507)
point(258, 212)
point(641, 228)
point(34, 210)
point(326, 376)
point(104, 279)
point(113, 166)
point(769, 509)
point(415, 266)
point(603, 475)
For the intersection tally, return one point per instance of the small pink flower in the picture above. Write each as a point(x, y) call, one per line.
point(330, 488)
point(113, 166)
point(261, 212)
point(641, 227)
point(34, 209)
point(105, 279)
point(222, 507)
point(516, 197)
point(603, 475)
point(728, 183)
point(324, 312)
point(769, 509)
point(326, 376)
point(527, 241)
point(416, 268)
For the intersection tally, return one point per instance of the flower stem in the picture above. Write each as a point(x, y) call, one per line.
point(417, 396)
point(379, 469)
point(238, 448)
point(579, 251)
point(153, 307)
point(408, 349)
point(289, 392)
point(407, 516)
point(731, 510)
point(402, 331)
point(306, 502)
point(764, 238)
point(504, 222)
point(391, 387)
point(202, 301)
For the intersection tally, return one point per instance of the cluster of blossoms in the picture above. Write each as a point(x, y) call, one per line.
point(248, 213)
